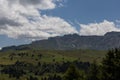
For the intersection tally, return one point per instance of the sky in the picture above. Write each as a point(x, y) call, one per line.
point(23, 21)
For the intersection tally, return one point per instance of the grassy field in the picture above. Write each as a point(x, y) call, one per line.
point(49, 56)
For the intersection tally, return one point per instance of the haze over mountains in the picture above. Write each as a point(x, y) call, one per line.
point(75, 41)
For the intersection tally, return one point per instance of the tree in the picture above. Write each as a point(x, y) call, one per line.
point(93, 72)
point(72, 73)
point(111, 65)
point(33, 78)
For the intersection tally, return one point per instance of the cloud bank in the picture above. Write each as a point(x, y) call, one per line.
point(23, 19)
point(98, 28)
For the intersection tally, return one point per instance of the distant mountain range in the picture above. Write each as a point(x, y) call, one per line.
point(74, 41)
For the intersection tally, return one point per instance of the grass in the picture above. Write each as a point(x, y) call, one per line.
point(50, 56)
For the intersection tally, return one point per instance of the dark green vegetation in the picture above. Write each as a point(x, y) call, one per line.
point(59, 65)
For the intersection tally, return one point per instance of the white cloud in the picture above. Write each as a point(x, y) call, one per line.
point(98, 28)
point(22, 19)
point(43, 28)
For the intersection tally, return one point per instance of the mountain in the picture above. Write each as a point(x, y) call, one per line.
point(75, 41)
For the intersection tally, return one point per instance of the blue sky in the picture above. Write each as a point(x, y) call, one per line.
point(87, 11)
point(79, 16)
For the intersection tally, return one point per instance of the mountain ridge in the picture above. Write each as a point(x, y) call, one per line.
point(74, 41)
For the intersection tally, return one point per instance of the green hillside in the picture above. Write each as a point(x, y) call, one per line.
point(30, 64)
point(33, 56)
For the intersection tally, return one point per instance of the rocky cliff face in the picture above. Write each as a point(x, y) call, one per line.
point(74, 41)
point(109, 40)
